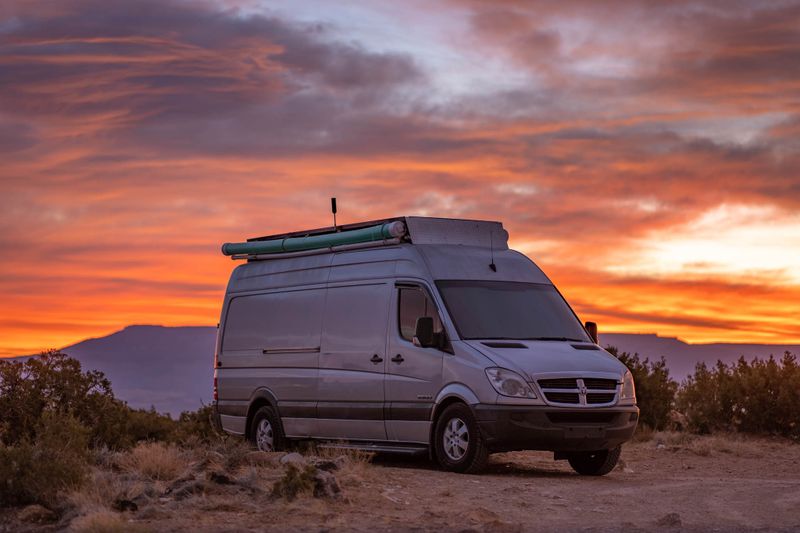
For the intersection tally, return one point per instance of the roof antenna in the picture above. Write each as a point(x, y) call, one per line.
point(491, 249)
point(333, 210)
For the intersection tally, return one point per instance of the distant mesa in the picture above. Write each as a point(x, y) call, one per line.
point(170, 368)
point(682, 357)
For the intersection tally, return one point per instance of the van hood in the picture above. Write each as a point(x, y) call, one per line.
point(536, 359)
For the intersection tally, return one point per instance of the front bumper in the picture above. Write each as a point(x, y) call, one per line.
point(508, 428)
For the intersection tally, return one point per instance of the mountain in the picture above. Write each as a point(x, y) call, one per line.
point(170, 368)
point(167, 368)
point(682, 357)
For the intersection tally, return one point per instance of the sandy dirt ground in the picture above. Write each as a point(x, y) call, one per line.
point(671, 483)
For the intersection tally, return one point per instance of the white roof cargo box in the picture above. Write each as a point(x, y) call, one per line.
point(412, 230)
point(429, 230)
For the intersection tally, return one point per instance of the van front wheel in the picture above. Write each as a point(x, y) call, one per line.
point(598, 463)
point(265, 430)
point(458, 444)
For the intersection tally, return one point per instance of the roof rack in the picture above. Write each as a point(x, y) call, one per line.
point(329, 229)
point(381, 232)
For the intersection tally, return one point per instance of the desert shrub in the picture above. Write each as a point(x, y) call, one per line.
point(196, 425)
point(761, 396)
point(53, 382)
point(295, 481)
point(149, 425)
point(39, 466)
point(655, 389)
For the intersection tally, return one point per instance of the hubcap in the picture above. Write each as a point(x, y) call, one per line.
point(264, 436)
point(456, 439)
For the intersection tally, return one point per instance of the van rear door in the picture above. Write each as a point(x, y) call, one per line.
point(353, 361)
point(272, 341)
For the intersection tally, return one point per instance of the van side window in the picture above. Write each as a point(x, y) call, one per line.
point(253, 323)
point(412, 304)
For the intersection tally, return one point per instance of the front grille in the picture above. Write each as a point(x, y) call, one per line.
point(594, 398)
point(579, 391)
point(585, 417)
point(559, 383)
point(562, 397)
point(602, 384)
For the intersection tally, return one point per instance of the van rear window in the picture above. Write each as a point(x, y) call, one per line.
point(275, 321)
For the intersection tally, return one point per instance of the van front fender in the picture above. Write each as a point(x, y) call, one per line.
point(456, 390)
point(450, 393)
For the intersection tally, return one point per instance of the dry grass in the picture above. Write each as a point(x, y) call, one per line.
point(709, 445)
point(210, 486)
point(102, 521)
point(104, 488)
point(354, 466)
point(354, 456)
point(643, 433)
point(156, 461)
point(731, 444)
point(230, 455)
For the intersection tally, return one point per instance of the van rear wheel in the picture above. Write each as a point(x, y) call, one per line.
point(265, 430)
point(458, 443)
point(597, 463)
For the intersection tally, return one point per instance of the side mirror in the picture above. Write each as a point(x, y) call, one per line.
point(591, 329)
point(423, 334)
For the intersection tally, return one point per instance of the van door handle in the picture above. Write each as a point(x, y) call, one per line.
point(397, 359)
point(376, 359)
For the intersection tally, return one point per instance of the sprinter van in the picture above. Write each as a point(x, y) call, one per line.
point(414, 335)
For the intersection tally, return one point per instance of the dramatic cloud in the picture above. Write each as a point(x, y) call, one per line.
point(646, 154)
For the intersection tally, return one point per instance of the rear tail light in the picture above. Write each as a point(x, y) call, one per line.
point(216, 364)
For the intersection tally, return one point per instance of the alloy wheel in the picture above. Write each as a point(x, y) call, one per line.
point(456, 439)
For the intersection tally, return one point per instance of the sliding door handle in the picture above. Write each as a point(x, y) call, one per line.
point(376, 359)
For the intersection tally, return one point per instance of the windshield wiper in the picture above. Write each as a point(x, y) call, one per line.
point(562, 339)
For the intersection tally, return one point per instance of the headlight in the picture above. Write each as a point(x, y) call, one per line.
point(628, 392)
point(509, 383)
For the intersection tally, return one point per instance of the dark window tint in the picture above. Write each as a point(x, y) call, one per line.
point(509, 310)
point(274, 321)
point(414, 303)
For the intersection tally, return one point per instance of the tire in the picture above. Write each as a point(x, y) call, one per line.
point(598, 463)
point(266, 433)
point(458, 444)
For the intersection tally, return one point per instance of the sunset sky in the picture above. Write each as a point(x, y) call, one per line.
point(645, 154)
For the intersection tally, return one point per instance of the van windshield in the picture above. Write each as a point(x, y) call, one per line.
point(510, 310)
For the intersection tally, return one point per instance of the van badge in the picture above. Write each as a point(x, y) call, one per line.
point(582, 391)
point(424, 397)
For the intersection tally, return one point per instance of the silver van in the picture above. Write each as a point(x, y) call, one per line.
point(414, 335)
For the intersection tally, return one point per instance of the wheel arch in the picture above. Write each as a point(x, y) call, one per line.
point(261, 397)
point(450, 394)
